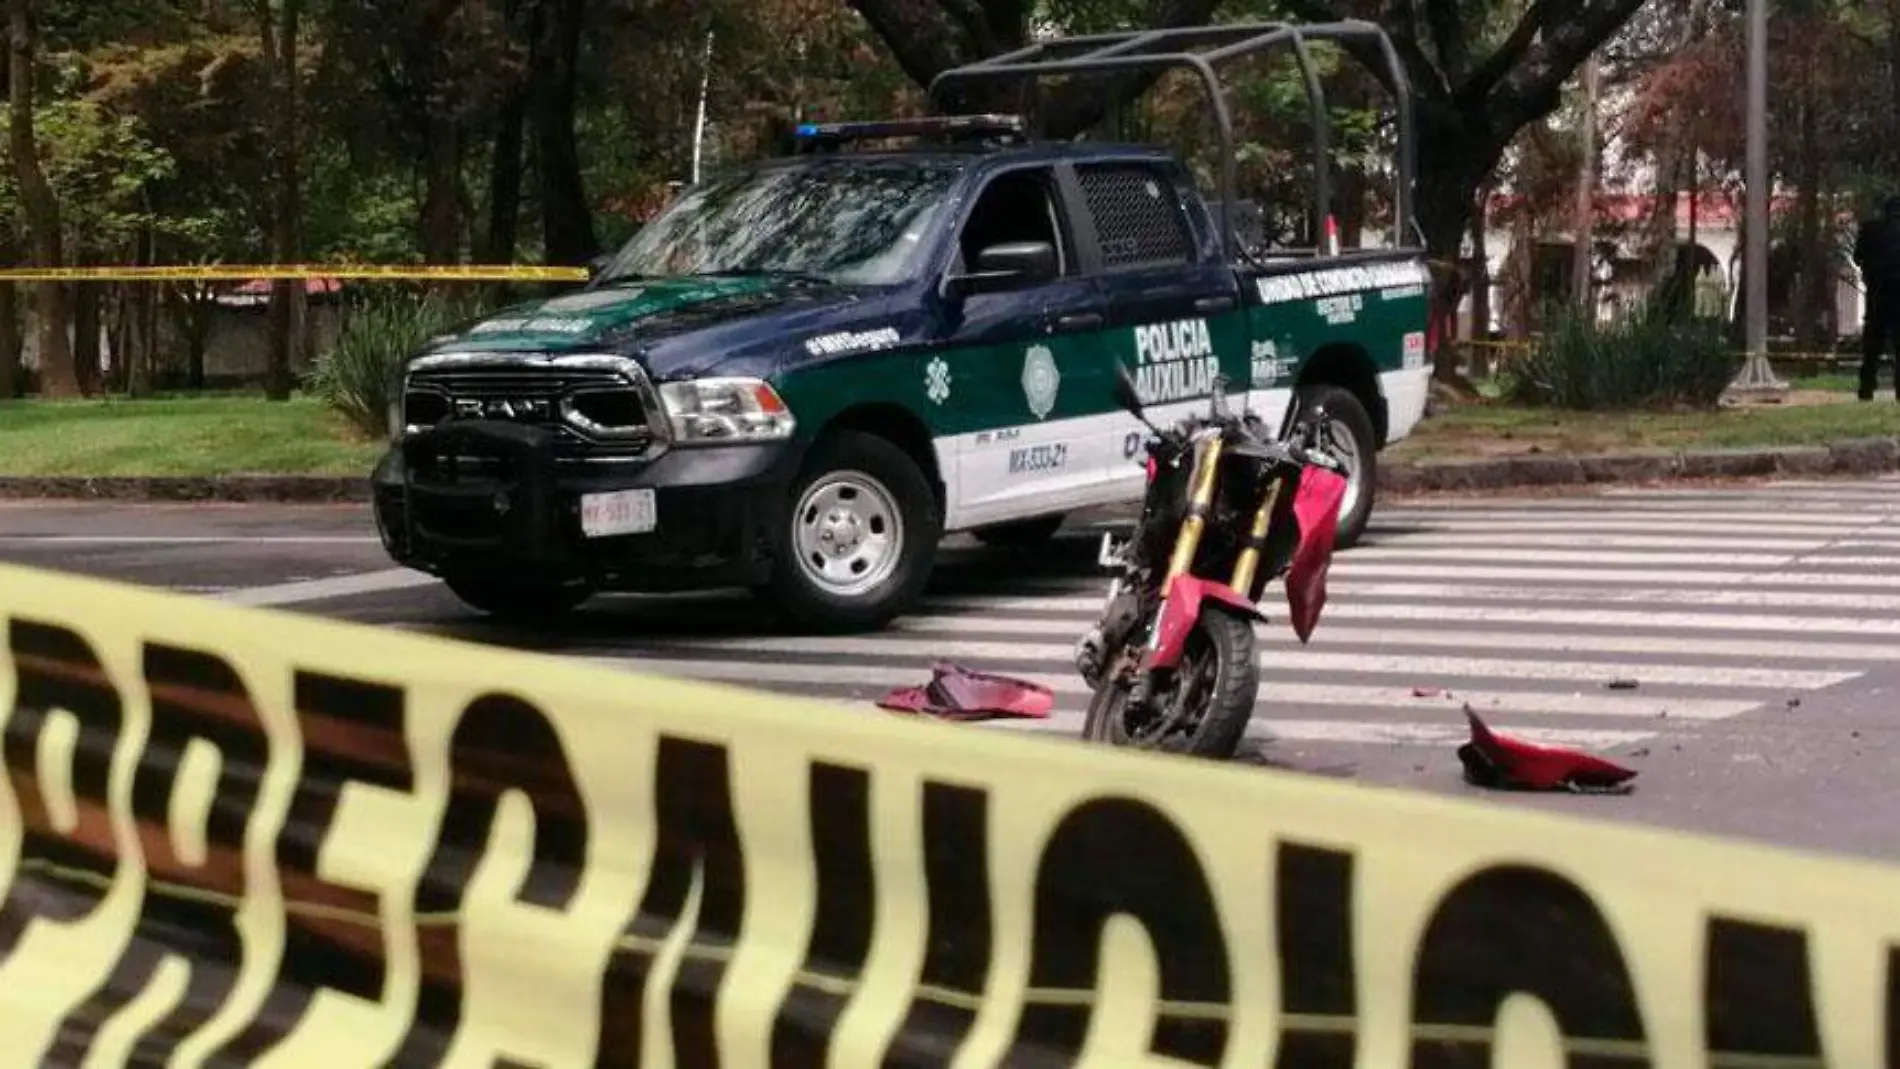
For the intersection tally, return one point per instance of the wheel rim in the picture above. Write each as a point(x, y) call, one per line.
point(848, 533)
point(1336, 438)
point(1174, 721)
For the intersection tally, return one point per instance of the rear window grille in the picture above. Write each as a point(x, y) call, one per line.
point(1137, 218)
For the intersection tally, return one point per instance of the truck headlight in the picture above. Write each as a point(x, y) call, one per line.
point(709, 411)
point(394, 416)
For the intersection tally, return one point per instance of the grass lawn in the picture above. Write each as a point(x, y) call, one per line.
point(1809, 416)
point(179, 436)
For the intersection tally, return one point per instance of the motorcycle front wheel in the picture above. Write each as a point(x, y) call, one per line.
point(1203, 710)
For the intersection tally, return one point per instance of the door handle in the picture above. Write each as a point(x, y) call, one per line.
point(1079, 321)
point(1213, 304)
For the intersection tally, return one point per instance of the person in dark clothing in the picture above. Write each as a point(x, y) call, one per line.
point(1877, 254)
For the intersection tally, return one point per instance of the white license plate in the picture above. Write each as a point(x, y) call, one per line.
point(618, 513)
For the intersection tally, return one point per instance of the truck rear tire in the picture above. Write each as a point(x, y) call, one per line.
point(858, 537)
point(515, 599)
point(1338, 423)
point(1017, 533)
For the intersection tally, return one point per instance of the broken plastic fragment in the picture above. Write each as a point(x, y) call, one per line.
point(957, 693)
point(1494, 760)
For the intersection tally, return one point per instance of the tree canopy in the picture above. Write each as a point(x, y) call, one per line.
point(412, 131)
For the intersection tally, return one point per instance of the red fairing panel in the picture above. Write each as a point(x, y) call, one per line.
point(1316, 513)
point(1180, 611)
point(1494, 760)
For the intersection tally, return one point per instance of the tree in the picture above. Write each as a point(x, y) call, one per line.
point(58, 377)
point(279, 24)
point(1474, 89)
point(928, 37)
point(1479, 73)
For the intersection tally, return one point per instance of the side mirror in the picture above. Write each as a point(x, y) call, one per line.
point(1126, 394)
point(1006, 266)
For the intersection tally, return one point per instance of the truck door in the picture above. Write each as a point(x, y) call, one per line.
point(1174, 316)
point(1018, 360)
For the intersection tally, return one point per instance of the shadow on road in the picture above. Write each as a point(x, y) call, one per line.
point(978, 571)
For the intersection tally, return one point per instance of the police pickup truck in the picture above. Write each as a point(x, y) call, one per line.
point(803, 373)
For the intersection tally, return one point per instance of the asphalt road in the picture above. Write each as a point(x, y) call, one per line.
point(1758, 624)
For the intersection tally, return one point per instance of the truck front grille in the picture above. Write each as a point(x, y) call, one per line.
point(592, 410)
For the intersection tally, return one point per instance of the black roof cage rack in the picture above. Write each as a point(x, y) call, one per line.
point(1199, 49)
point(809, 137)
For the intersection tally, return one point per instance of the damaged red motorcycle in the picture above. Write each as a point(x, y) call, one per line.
point(1228, 509)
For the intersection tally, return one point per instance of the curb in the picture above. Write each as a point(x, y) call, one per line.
point(1859, 456)
point(280, 489)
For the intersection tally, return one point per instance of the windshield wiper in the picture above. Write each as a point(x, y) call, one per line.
point(631, 277)
point(765, 272)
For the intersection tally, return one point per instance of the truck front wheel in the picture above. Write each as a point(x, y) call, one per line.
point(1332, 419)
point(857, 542)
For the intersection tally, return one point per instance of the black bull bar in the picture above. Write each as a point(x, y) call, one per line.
point(483, 486)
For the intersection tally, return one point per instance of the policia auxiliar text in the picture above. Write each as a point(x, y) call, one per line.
point(148, 797)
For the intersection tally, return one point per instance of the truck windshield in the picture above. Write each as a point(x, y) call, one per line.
point(851, 222)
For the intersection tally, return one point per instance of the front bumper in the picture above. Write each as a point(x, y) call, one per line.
point(480, 495)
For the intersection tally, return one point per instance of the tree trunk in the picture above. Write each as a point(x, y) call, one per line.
point(140, 346)
point(1584, 240)
point(1349, 207)
point(1659, 239)
point(441, 213)
point(569, 224)
point(139, 353)
point(1810, 249)
point(280, 43)
point(86, 297)
point(504, 171)
point(504, 188)
point(1454, 163)
point(1893, 68)
point(191, 307)
point(1481, 279)
point(1522, 306)
point(41, 208)
point(11, 343)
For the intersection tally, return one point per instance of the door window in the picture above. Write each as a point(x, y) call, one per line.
point(1015, 206)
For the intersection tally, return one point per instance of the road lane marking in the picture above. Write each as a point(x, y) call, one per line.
point(1614, 576)
point(1756, 598)
point(1569, 539)
point(1399, 551)
point(1344, 594)
point(189, 540)
point(1389, 527)
point(1273, 693)
point(1419, 670)
point(1554, 641)
point(339, 586)
point(1492, 703)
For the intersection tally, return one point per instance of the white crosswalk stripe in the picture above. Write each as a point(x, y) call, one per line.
point(1700, 604)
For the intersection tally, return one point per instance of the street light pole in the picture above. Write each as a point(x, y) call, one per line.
point(1757, 376)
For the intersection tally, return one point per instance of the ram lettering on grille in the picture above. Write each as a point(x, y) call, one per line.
point(522, 408)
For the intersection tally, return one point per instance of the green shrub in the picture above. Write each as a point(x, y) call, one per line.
point(1653, 356)
point(358, 375)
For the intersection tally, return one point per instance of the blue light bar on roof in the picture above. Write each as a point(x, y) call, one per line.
point(964, 125)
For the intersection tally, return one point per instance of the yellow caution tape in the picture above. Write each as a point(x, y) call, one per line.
point(232, 834)
point(291, 273)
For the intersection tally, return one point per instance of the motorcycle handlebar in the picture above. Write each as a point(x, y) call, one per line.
point(1276, 451)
